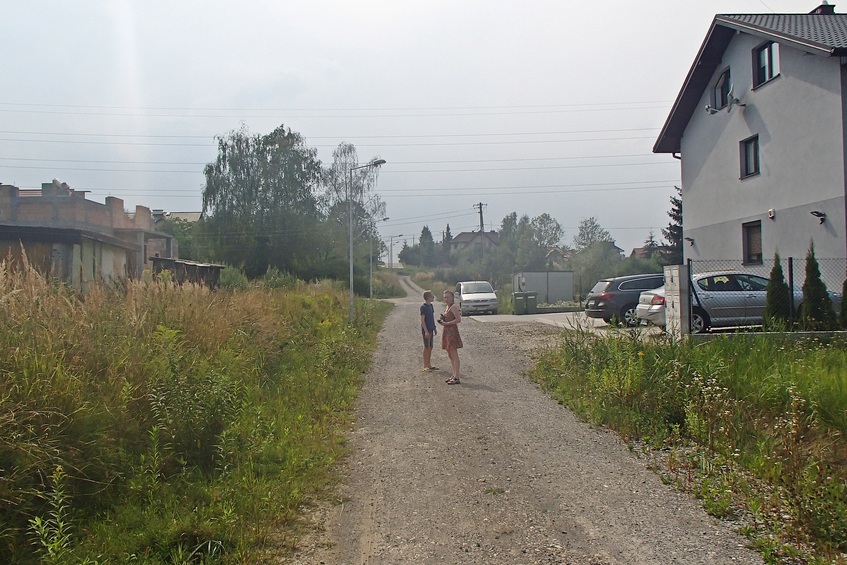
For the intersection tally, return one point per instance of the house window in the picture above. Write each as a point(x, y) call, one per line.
point(721, 91)
point(765, 63)
point(750, 156)
point(752, 242)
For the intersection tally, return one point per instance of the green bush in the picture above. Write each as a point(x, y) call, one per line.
point(778, 301)
point(274, 278)
point(233, 278)
point(842, 313)
point(817, 311)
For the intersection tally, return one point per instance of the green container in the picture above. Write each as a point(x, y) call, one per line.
point(531, 302)
point(518, 303)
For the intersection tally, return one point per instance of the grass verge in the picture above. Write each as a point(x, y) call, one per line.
point(754, 426)
point(154, 423)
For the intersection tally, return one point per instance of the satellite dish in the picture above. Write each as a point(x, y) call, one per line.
point(732, 100)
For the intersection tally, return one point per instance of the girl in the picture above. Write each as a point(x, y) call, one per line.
point(450, 339)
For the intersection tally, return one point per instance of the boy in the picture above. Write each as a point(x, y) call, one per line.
point(428, 330)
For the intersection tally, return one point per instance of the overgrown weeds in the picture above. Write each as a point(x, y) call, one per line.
point(165, 424)
point(754, 426)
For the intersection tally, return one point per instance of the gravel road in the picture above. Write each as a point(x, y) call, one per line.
point(492, 471)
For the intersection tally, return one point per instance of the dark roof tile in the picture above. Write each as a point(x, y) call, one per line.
point(823, 31)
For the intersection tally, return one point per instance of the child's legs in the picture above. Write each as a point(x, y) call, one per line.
point(427, 356)
point(453, 354)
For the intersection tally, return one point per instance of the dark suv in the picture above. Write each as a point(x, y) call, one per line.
point(616, 298)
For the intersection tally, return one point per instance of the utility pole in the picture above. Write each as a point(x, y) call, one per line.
point(481, 222)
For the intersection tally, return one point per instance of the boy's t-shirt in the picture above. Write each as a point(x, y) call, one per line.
point(428, 312)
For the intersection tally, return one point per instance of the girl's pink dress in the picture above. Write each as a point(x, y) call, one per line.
point(450, 337)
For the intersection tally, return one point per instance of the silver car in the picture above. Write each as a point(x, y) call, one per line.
point(719, 300)
point(651, 307)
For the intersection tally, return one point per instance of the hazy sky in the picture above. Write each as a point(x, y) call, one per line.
point(527, 107)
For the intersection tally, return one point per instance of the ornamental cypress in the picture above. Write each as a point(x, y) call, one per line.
point(817, 314)
point(842, 315)
point(778, 300)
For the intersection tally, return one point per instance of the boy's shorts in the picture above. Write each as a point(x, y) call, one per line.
point(427, 340)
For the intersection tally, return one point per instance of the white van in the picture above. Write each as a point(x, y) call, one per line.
point(474, 297)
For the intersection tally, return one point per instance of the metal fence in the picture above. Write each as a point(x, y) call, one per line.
point(729, 293)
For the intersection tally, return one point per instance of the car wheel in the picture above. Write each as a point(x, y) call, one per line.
point(699, 321)
point(629, 317)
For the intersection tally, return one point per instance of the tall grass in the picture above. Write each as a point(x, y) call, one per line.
point(752, 425)
point(159, 423)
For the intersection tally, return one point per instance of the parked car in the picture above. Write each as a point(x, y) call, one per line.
point(720, 300)
point(474, 297)
point(651, 307)
point(727, 299)
point(616, 298)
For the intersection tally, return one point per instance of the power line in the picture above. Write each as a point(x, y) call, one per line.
point(393, 172)
point(438, 162)
point(286, 113)
point(440, 144)
point(439, 135)
point(620, 185)
point(403, 109)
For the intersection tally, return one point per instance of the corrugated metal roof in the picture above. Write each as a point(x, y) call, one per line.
point(826, 31)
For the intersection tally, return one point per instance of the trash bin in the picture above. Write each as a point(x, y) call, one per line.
point(518, 303)
point(531, 302)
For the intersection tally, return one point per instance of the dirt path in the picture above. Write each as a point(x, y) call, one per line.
point(494, 472)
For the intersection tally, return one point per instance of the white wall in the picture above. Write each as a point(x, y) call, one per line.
point(799, 120)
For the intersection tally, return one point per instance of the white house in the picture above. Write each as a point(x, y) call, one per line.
point(759, 129)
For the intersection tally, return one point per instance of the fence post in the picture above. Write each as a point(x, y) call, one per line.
point(677, 301)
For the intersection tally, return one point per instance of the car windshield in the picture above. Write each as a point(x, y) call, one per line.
point(477, 288)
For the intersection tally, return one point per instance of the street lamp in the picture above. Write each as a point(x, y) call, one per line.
point(375, 163)
point(391, 249)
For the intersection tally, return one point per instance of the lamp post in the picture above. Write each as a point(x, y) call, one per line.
point(391, 249)
point(376, 163)
point(371, 257)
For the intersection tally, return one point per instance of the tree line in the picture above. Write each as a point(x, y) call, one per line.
point(270, 204)
point(535, 244)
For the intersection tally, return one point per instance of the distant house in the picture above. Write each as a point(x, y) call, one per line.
point(557, 256)
point(76, 240)
point(168, 247)
point(663, 251)
point(481, 240)
point(160, 216)
point(759, 128)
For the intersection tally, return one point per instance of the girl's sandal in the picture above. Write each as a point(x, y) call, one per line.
point(453, 381)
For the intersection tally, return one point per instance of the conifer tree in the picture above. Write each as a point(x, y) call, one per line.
point(817, 312)
point(673, 233)
point(778, 300)
point(842, 314)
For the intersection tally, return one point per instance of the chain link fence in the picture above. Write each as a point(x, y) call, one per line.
point(727, 293)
